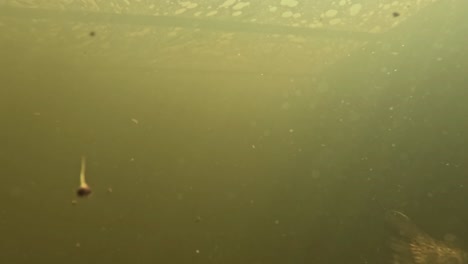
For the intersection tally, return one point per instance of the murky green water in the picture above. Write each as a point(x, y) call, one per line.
point(275, 135)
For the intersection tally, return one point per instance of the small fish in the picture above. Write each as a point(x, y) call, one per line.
point(84, 190)
point(413, 246)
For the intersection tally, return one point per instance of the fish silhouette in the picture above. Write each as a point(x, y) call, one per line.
point(411, 245)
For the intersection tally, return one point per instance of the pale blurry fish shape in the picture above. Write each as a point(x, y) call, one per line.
point(413, 246)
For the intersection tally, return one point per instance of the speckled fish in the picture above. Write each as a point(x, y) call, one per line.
point(413, 246)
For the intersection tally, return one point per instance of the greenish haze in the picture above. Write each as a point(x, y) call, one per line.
point(236, 142)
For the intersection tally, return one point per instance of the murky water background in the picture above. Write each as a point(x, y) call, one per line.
point(230, 138)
